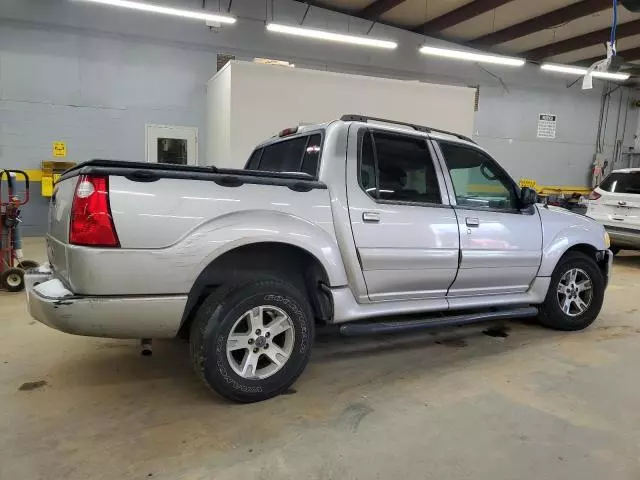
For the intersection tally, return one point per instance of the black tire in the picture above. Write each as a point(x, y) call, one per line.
point(615, 250)
point(214, 321)
point(27, 264)
point(551, 313)
point(12, 279)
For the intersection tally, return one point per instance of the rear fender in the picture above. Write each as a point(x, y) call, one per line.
point(245, 228)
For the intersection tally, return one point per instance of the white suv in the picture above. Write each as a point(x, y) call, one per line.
point(616, 204)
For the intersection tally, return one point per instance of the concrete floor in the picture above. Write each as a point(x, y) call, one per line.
point(537, 404)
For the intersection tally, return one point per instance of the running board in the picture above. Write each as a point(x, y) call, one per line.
point(370, 328)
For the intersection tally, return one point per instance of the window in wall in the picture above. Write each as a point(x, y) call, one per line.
point(398, 168)
point(172, 150)
point(477, 179)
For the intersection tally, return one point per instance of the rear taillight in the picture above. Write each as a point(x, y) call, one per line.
point(91, 222)
point(593, 196)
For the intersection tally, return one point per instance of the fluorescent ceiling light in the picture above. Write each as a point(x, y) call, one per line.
point(331, 36)
point(472, 57)
point(583, 71)
point(177, 12)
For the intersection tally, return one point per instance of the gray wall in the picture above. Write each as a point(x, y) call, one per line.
point(94, 76)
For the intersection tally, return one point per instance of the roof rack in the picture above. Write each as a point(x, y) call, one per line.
point(419, 128)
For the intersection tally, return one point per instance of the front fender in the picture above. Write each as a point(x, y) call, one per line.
point(235, 230)
point(562, 230)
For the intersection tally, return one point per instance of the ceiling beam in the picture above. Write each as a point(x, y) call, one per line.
point(588, 39)
point(628, 55)
point(459, 15)
point(548, 20)
point(377, 8)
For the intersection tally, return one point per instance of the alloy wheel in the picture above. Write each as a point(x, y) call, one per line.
point(260, 342)
point(575, 292)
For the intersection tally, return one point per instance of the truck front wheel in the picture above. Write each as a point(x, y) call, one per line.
point(575, 294)
point(251, 341)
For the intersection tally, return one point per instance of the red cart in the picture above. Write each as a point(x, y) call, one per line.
point(11, 201)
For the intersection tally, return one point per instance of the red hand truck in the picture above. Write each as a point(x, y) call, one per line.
point(12, 274)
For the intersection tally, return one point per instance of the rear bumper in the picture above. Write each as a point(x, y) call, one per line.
point(623, 237)
point(52, 303)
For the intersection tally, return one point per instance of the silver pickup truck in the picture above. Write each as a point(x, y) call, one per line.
point(374, 225)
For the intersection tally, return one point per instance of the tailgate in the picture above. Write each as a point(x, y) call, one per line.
point(59, 216)
point(623, 209)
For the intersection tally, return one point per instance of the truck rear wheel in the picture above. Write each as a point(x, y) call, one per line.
point(575, 294)
point(251, 341)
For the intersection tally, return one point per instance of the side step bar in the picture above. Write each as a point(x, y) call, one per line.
point(370, 328)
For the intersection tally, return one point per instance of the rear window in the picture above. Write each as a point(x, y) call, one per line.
point(622, 182)
point(298, 154)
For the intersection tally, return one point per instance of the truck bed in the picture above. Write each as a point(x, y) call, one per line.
point(171, 220)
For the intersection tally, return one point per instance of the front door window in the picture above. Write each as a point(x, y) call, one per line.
point(477, 180)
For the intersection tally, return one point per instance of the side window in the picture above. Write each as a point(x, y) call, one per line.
point(477, 179)
point(398, 168)
point(283, 156)
point(622, 182)
point(367, 174)
point(311, 156)
point(254, 160)
point(299, 154)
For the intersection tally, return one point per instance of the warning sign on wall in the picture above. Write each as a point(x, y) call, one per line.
point(547, 125)
point(59, 149)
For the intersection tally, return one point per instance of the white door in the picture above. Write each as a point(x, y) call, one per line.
point(172, 144)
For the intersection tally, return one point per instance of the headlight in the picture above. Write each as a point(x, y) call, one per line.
point(607, 240)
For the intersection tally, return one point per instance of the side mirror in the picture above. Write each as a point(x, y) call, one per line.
point(528, 196)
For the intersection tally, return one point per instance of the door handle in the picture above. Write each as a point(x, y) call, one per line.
point(622, 204)
point(371, 217)
point(472, 222)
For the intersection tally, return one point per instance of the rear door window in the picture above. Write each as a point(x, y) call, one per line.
point(298, 154)
point(622, 182)
point(398, 168)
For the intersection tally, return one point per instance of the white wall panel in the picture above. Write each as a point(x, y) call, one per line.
point(266, 98)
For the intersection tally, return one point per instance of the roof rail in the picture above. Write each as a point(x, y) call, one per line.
point(419, 128)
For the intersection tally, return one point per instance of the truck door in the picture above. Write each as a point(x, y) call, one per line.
point(405, 232)
point(500, 245)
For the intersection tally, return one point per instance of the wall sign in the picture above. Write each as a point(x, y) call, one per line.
point(59, 149)
point(547, 125)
